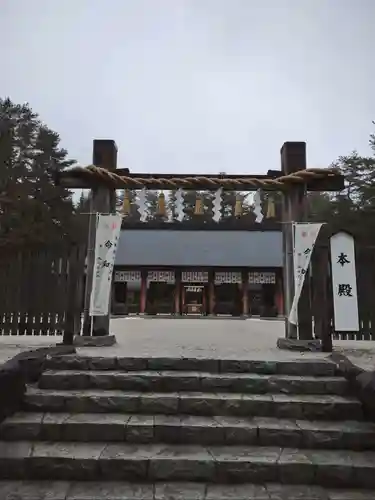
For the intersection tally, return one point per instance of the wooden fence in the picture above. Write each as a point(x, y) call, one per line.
point(322, 294)
point(41, 290)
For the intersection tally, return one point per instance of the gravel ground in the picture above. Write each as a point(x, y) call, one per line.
point(220, 338)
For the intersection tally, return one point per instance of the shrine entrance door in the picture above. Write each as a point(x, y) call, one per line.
point(160, 298)
point(194, 292)
point(262, 294)
point(228, 293)
point(195, 299)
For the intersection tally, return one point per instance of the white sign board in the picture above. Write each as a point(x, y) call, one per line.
point(344, 283)
point(194, 289)
point(107, 234)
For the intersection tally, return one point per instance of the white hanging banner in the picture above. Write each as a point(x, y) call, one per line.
point(258, 207)
point(107, 234)
point(305, 236)
point(344, 283)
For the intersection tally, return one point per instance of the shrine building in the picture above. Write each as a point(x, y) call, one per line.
point(187, 271)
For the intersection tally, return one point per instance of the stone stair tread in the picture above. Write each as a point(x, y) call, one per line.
point(312, 406)
point(319, 367)
point(120, 451)
point(181, 373)
point(58, 418)
point(66, 490)
point(310, 398)
point(208, 430)
point(167, 380)
point(156, 462)
point(141, 428)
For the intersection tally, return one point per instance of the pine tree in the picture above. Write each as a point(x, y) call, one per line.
point(33, 208)
point(353, 208)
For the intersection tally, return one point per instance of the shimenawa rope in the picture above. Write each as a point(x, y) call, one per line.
point(122, 181)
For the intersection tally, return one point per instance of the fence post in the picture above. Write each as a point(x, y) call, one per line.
point(321, 297)
point(103, 200)
point(74, 300)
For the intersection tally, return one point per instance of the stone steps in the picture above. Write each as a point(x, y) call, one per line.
point(326, 407)
point(169, 381)
point(311, 367)
point(66, 490)
point(227, 429)
point(161, 462)
point(180, 429)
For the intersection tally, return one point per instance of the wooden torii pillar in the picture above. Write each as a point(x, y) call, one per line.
point(103, 182)
point(102, 200)
point(293, 159)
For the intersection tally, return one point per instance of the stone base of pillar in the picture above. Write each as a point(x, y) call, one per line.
point(299, 345)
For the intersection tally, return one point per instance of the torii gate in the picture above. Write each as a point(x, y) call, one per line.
point(293, 180)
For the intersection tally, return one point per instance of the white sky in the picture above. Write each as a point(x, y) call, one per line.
point(195, 85)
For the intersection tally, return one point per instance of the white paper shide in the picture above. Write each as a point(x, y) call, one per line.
point(305, 236)
point(107, 235)
point(344, 283)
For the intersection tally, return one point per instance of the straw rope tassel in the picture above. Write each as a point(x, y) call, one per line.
point(270, 208)
point(198, 205)
point(238, 206)
point(126, 203)
point(161, 205)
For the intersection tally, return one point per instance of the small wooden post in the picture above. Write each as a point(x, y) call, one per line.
point(74, 277)
point(293, 159)
point(103, 199)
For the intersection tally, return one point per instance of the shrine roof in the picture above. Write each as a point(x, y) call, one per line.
point(200, 248)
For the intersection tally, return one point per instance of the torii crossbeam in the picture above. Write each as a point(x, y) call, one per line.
point(293, 180)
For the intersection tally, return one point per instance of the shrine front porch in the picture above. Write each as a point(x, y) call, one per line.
point(207, 292)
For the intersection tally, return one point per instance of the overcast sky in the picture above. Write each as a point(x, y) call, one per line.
point(195, 85)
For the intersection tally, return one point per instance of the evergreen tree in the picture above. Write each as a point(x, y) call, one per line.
point(353, 208)
point(33, 208)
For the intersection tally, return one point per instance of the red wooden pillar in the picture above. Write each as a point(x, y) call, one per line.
point(245, 293)
point(183, 298)
point(143, 292)
point(177, 293)
point(211, 292)
point(279, 298)
point(211, 295)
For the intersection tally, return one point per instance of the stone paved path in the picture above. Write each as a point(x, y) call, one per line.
point(219, 338)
